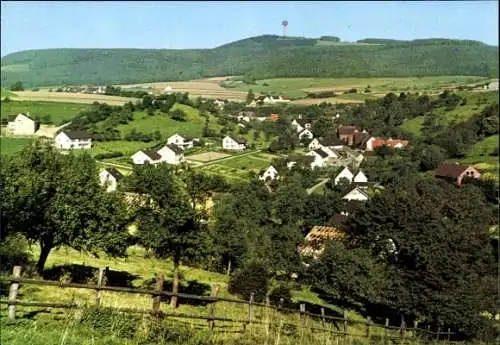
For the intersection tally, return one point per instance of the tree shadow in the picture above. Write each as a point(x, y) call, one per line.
point(81, 274)
point(192, 287)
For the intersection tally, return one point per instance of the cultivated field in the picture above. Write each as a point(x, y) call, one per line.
point(207, 88)
point(239, 167)
point(207, 156)
point(69, 97)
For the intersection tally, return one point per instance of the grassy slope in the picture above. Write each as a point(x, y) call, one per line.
point(58, 111)
point(10, 146)
point(263, 57)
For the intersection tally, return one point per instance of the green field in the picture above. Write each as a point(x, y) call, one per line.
point(10, 146)
point(238, 168)
point(297, 87)
point(6, 93)
point(58, 112)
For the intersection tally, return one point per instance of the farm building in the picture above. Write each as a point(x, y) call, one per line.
point(22, 124)
point(229, 143)
point(171, 154)
point(146, 156)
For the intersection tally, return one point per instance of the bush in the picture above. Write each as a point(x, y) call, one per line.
point(252, 277)
point(120, 324)
point(279, 292)
point(106, 155)
point(14, 252)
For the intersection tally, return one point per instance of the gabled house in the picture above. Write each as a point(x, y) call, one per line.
point(73, 140)
point(360, 177)
point(346, 133)
point(271, 173)
point(320, 158)
point(346, 174)
point(360, 139)
point(109, 178)
point(457, 172)
point(229, 143)
point(304, 161)
point(306, 134)
point(300, 125)
point(182, 141)
point(376, 142)
point(146, 156)
point(23, 124)
point(357, 193)
point(171, 154)
point(326, 145)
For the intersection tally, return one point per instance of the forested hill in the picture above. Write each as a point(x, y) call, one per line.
point(261, 57)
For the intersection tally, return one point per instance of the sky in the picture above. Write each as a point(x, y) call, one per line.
point(197, 24)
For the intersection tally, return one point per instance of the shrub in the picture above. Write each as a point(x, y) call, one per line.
point(14, 252)
point(251, 278)
point(120, 324)
point(279, 292)
point(106, 155)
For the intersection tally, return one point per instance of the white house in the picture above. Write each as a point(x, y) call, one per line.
point(171, 154)
point(245, 118)
point(300, 125)
point(271, 173)
point(229, 143)
point(357, 194)
point(320, 157)
point(109, 178)
point(344, 174)
point(23, 124)
point(493, 86)
point(149, 156)
point(314, 144)
point(73, 140)
point(183, 141)
point(305, 134)
point(360, 177)
point(167, 90)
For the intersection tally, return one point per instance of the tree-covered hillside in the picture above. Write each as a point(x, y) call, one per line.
point(261, 57)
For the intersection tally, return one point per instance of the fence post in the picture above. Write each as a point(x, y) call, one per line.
point(268, 305)
point(211, 309)
point(100, 281)
point(368, 321)
point(302, 315)
point(415, 328)
point(250, 309)
point(16, 274)
point(428, 334)
point(160, 278)
point(449, 334)
point(438, 333)
point(402, 329)
point(385, 330)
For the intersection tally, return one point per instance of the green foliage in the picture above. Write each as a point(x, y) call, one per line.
point(251, 278)
point(257, 58)
point(120, 324)
point(282, 291)
point(14, 252)
point(107, 155)
point(18, 86)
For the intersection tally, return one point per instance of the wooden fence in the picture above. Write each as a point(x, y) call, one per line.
point(403, 332)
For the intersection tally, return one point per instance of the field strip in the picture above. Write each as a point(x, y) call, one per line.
point(68, 97)
point(227, 158)
point(260, 158)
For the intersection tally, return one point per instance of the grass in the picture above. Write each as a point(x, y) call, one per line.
point(239, 168)
point(298, 87)
point(58, 112)
point(9, 146)
point(36, 326)
point(128, 148)
point(414, 125)
point(6, 93)
point(68, 97)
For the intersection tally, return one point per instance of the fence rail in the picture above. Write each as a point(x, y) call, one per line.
point(15, 280)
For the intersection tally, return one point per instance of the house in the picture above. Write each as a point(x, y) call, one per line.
point(376, 142)
point(183, 141)
point(356, 193)
point(271, 173)
point(219, 103)
point(300, 125)
point(109, 177)
point(320, 158)
point(146, 156)
point(23, 124)
point(331, 141)
point(171, 154)
point(346, 133)
point(229, 143)
point(304, 161)
point(316, 239)
point(457, 172)
point(306, 134)
point(345, 173)
point(71, 140)
point(360, 177)
point(360, 139)
point(245, 118)
point(167, 90)
point(493, 86)
point(274, 117)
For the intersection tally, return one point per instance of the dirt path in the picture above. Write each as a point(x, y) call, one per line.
point(317, 185)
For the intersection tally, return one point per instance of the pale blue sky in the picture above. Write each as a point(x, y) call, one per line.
point(176, 25)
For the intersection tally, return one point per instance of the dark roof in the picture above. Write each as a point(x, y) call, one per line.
point(11, 117)
point(322, 153)
point(240, 140)
point(152, 154)
point(77, 135)
point(331, 140)
point(299, 158)
point(302, 122)
point(360, 138)
point(353, 187)
point(115, 173)
point(186, 137)
point(337, 220)
point(451, 170)
point(348, 129)
point(177, 150)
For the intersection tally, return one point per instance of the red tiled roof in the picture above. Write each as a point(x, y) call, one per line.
point(451, 170)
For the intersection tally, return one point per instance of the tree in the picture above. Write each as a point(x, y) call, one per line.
point(252, 278)
point(167, 224)
point(56, 200)
point(250, 96)
point(18, 86)
point(434, 239)
point(178, 115)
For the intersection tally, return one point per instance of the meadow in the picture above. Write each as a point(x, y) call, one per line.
point(58, 112)
point(10, 145)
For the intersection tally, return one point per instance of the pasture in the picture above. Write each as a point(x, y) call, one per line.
point(207, 156)
point(298, 87)
point(10, 146)
point(69, 97)
point(58, 112)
